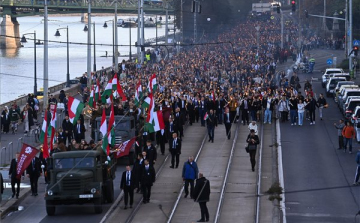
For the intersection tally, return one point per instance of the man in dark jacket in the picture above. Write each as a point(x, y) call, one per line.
point(311, 106)
point(253, 141)
point(12, 175)
point(127, 184)
point(179, 121)
point(151, 153)
point(202, 195)
point(227, 122)
point(67, 128)
point(175, 150)
point(211, 122)
point(34, 171)
point(189, 174)
point(147, 180)
point(79, 131)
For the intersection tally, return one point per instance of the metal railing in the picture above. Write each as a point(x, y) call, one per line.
point(3, 156)
point(19, 143)
point(11, 150)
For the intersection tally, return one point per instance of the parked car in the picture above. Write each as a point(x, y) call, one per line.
point(331, 84)
point(348, 93)
point(342, 91)
point(355, 120)
point(350, 107)
point(325, 76)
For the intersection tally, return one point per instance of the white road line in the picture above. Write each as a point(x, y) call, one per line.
point(280, 170)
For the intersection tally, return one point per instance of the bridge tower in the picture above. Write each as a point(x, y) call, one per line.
point(9, 27)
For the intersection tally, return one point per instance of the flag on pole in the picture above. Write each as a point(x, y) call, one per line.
point(43, 136)
point(146, 103)
point(119, 92)
point(92, 100)
point(97, 91)
point(75, 107)
point(152, 85)
point(107, 91)
point(53, 127)
point(124, 148)
point(150, 114)
point(114, 82)
point(158, 121)
point(138, 93)
point(104, 130)
point(27, 153)
point(111, 131)
point(206, 116)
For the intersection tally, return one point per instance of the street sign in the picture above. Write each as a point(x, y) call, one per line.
point(356, 43)
point(329, 61)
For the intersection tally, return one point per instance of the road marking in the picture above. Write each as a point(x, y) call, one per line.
point(281, 170)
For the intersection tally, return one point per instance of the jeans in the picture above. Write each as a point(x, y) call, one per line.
point(301, 117)
point(293, 116)
point(253, 115)
point(267, 117)
point(321, 111)
point(346, 141)
point(211, 132)
point(312, 115)
point(341, 142)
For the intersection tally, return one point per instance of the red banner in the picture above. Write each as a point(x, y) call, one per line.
point(26, 155)
point(124, 148)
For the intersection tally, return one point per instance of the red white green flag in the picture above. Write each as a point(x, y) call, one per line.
point(75, 107)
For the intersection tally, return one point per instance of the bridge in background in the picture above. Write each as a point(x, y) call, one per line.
point(11, 9)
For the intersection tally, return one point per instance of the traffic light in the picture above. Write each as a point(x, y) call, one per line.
point(355, 49)
point(278, 9)
point(306, 14)
point(293, 6)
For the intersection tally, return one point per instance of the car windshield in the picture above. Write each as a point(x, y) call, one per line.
point(334, 71)
point(65, 163)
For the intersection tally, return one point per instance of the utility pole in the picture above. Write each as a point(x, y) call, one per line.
point(167, 23)
point(324, 19)
point(346, 29)
point(282, 29)
point(138, 32)
point(89, 45)
point(181, 22)
point(195, 27)
point(116, 39)
point(350, 35)
point(299, 41)
point(142, 33)
point(46, 56)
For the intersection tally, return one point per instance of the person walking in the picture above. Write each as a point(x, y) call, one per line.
point(202, 195)
point(253, 126)
point(211, 122)
point(175, 150)
point(301, 109)
point(293, 109)
point(340, 127)
point(147, 181)
point(13, 174)
point(79, 131)
point(357, 174)
point(189, 174)
point(253, 141)
point(311, 107)
point(283, 109)
point(151, 153)
point(137, 168)
point(34, 171)
point(127, 184)
point(227, 121)
point(268, 106)
point(348, 133)
point(321, 104)
point(5, 120)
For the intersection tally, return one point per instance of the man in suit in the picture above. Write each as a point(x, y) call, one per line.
point(202, 110)
point(170, 128)
point(128, 185)
point(79, 131)
point(34, 171)
point(147, 181)
point(67, 127)
point(227, 122)
point(179, 122)
point(12, 175)
point(151, 153)
point(161, 140)
point(175, 150)
point(202, 195)
point(211, 122)
point(220, 103)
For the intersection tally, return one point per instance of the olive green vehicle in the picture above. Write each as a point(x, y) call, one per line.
point(78, 177)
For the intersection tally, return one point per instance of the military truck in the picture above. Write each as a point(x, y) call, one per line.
point(78, 177)
point(124, 130)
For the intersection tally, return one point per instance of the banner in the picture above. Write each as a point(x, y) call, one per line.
point(124, 148)
point(27, 153)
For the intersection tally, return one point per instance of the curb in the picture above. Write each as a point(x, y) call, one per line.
point(5, 209)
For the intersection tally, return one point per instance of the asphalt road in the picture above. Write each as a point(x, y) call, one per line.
point(318, 177)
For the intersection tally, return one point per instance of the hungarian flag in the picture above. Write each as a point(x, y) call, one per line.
point(138, 93)
point(158, 121)
point(114, 82)
point(119, 92)
point(92, 100)
point(152, 86)
point(206, 116)
point(104, 130)
point(111, 131)
point(27, 153)
point(107, 91)
point(43, 137)
point(75, 107)
point(124, 148)
point(53, 127)
point(97, 91)
point(146, 103)
point(150, 114)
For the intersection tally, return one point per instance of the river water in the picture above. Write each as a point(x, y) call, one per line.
point(17, 65)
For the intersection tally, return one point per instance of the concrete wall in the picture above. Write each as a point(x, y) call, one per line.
point(9, 27)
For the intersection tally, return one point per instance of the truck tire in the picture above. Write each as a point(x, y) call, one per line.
point(98, 205)
point(50, 208)
point(110, 191)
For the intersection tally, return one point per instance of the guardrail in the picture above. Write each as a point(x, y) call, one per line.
point(19, 143)
point(3, 156)
point(11, 150)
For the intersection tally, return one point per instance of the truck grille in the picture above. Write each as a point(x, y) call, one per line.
point(71, 184)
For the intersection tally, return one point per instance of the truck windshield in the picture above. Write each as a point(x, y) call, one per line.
point(84, 162)
point(65, 163)
point(68, 163)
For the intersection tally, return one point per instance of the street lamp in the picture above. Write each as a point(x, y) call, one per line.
point(85, 30)
point(57, 34)
point(113, 36)
point(23, 40)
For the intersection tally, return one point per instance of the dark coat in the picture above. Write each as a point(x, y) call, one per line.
point(151, 154)
point(12, 170)
point(67, 126)
point(211, 121)
point(202, 190)
point(1, 184)
point(82, 130)
point(148, 176)
point(132, 180)
point(178, 145)
point(34, 169)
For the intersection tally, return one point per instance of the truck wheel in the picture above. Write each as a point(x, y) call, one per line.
point(131, 158)
point(50, 208)
point(98, 205)
point(110, 191)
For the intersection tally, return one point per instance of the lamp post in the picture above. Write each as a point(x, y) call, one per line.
point(89, 45)
point(113, 37)
point(130, 43)
point(86, 29)
point(57, 34)
point(23, 40)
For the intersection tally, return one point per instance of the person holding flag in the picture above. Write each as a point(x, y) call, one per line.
point(13, 176)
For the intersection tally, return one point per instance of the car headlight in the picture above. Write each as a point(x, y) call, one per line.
point(50, 192)
point(93, 190)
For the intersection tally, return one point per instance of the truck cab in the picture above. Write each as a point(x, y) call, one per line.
point(78, 177)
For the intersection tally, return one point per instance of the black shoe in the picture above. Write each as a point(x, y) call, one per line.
point(144, 202)
point(163, 154)
point(177, 167)
point(36, 194)
point(32, 194)
point(209, 140)
point(17, 196)
point(172, 167)
point(253, 169)
point(212, 141)
point(201, 220)
point(207, 220)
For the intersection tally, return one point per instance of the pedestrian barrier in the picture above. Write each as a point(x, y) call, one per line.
point(11, 150)
point(3, 149)
point(19, 143)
